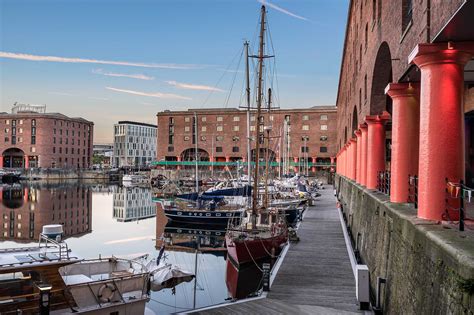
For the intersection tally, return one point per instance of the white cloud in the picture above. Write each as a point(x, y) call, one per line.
point(138, 76)
point(29, 57)
point(275, 7)
point(98, 98)
point(189, 86)
point(154, 94)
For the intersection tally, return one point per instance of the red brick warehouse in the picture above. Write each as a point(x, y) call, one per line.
point(34, 138)
point(299, 135)
point(406, 98)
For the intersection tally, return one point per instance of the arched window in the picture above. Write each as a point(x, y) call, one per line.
point(366, 35)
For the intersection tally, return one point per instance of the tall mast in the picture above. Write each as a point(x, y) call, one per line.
point(249, 155)
point(259, 120)
point(196, 150)
point(267, 155)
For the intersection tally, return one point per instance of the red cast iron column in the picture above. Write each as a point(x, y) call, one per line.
point(405, 137)
point(441, 125)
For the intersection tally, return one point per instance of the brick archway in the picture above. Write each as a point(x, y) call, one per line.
point(381, 77)
point(13, 158)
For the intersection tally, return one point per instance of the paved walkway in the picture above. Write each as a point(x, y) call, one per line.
point(316, 275)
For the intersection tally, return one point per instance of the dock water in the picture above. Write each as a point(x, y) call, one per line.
point(315, 276)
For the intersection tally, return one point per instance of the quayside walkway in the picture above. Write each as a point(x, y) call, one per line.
point(315, 276)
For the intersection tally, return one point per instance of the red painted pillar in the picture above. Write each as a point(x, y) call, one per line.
point(441, 125)
point(295, 168)
point(358, 155)
point(344, 164)
point(353, 158)
point(27, 162)
point(363, 154)
point(405, 137)
point(313, 168)
point(1, 161)
point(375, 148)
point(178, 158)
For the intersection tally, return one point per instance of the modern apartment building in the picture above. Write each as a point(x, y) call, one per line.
point(134, 144)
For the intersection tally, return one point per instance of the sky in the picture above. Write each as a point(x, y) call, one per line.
point(111, 60)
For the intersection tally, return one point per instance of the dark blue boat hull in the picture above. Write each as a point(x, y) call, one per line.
point(203, 216)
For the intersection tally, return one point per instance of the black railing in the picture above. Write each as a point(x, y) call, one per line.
point(383, 182)
point(457, 195)
point(413, 190)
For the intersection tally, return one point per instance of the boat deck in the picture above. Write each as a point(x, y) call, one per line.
point(315, 276)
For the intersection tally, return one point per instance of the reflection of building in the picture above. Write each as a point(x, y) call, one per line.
point(134, 144)
point(33, 138)
point(24, 211)
point(133, 203)
point(307, 134)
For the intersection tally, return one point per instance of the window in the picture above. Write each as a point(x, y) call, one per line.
point(235, 149)
point(6, 130)
point(235, 138)
point(252, 118)
point(219, 138)
point(305, 127)
point(324, 127)
point(305, 117)
point(323, 138)
point(236, 118)
point(187, 119)
point(219, 128)
point(271, 117)
point(218, 149)
point(366, 35)
point(252, 128)
point(203, 138)
point(304, 149)
point(203, 119)
point(323, 149)
point(236, 128)
point(219, 118)
point(365, 87)
point(170, 149)
point(171, 120)
point(203, 128)
point(186, 138)
point(170, 139)
point(324, 117)
point(54, 149)
point(187, 128)
point(407, 12)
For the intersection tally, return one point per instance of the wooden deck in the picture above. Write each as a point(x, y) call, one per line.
point(316, 275)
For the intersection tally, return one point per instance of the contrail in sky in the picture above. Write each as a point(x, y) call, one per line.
point(274, 6)
point(153, 94)
point(10, 55)
point(189, 86)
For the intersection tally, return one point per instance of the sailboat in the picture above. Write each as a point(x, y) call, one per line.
point(263, 232)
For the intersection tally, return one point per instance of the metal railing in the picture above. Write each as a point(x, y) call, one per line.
point(383, 182)
point(457, 193)
point(413, 190)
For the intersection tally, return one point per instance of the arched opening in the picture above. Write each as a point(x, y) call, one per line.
point(190, 155)
point(345, 134)
point(381, 77)
point(13, 158)
point(379, 102)
point(355, 121)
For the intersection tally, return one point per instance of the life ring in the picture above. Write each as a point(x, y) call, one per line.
point(110, 296)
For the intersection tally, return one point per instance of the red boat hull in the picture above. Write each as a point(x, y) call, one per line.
point(243, 251)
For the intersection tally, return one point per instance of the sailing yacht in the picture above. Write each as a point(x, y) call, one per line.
point(263, 232)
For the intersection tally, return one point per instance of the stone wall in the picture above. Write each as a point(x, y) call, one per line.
point(429, 267)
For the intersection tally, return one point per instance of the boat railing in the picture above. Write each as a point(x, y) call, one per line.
point(47, 242)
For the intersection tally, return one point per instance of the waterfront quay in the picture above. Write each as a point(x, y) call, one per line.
point(315, 275)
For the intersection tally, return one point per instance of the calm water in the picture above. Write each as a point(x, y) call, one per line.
point(112, 220)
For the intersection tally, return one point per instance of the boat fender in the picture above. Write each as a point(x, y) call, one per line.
point(110, 296)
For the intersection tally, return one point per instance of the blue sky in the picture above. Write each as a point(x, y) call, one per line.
point(130, 59)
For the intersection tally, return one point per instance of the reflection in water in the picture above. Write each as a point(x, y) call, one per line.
point(89, 213)
point(133, 203)
point(25, 209)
